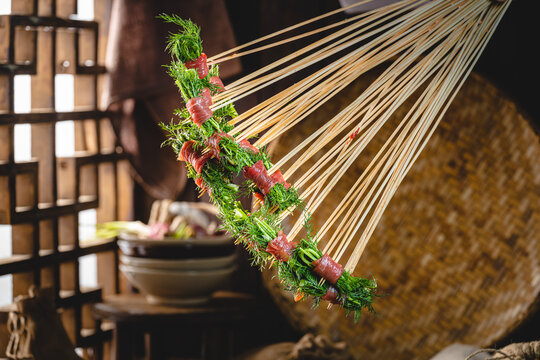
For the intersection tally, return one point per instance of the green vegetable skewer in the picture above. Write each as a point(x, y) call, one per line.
point(258, 229)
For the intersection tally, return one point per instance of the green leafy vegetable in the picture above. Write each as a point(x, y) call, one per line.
point(256, 229)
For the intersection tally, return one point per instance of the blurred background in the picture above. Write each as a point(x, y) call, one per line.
point(82, 90)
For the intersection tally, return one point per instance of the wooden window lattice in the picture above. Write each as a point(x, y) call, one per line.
point(41, 198)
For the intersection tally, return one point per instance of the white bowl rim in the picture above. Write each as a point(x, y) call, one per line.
point(145, 260)
point(135, 269)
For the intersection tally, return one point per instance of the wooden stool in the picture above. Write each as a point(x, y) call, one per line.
point(133, 316)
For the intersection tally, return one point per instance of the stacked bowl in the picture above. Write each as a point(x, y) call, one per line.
point(179, 272)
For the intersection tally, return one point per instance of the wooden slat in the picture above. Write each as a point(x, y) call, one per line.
point(5, 89)
point(66, 8)
point(102, 10)
point(46, 241)
point(30, 69)
point(67, 277)
point(51, 22)
point(107, 137)
point(80, 159)
point(86, 136)
point(42, 95)
point(65, 52)
point(25, 52)
point(125, 191)
point(90, 70)
point(21, 244)
point(18, 69)
point(48, 277)
point(68, 227)
point(49, 116)
point(26, 190)
point(22, 7)
point(106, 266)
point(42, 138)
point(86, 51)
point(66, 178)
point(4, 40)
point(71, 298)
point(45, 8)
point(21, 263)
point(49, 210)
point(19, 236)
point(44, 148)
point(20, 167)
point(68, 320)
point(87, 180)
point(88, 321)
point(5, 205)
point(107, 210)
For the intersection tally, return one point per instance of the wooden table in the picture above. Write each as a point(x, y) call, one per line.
point(133, 316)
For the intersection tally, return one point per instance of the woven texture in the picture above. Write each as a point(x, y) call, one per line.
point(457, 251)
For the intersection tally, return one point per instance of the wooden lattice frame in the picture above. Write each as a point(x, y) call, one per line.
point(41, 198)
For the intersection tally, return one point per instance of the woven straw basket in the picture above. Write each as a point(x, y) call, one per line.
point(457, 251)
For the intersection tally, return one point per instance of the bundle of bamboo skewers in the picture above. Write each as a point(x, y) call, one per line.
point(428, 47)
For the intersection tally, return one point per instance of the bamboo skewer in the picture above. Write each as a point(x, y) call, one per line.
point(338, 81)
point(236, 55)
point(334, 43)
point(476, 48)
point(223, 54)
point(337, 145)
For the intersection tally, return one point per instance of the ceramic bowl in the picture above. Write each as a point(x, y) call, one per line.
point(184, 264)
point(178, 287)
point(171, 248)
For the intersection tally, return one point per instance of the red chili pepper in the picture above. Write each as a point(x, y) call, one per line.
point(354, 134)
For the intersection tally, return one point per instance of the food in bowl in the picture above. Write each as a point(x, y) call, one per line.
point(168, 220)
